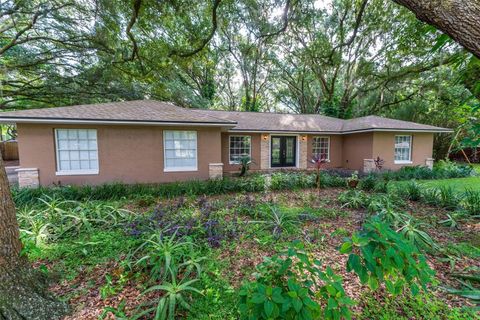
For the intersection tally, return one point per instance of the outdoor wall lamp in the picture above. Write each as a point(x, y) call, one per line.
point(265, 137)
point(304, 138)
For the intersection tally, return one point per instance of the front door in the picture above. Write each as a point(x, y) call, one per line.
point(284, 151)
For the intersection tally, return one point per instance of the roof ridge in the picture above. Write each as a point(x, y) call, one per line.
point(269, 112)
point(200, 111)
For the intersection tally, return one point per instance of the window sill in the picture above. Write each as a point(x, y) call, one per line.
point(403, 162)
point(77, 173)
point(180, 169)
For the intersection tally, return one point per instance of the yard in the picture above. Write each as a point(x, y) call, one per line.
point(461, 184)
point(103, 254)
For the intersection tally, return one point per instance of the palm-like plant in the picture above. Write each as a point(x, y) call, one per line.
point(162, 253)
point(174, 294)
point(319, 160)
point(278, 220)
point(245, 162)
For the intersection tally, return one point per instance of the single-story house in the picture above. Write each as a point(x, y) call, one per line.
point(152, 142)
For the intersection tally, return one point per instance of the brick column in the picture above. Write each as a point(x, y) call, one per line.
point(303, 151)
point(368, 165)
point(215, 170)
point(264, 151)
point(28, 178)
point(429, 163)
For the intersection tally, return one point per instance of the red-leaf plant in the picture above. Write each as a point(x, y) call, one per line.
point(319, 160)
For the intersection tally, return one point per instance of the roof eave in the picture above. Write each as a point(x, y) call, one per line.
point(340, 132)
point(14, 120)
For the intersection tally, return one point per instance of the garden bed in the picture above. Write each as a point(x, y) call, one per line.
point(98, 269)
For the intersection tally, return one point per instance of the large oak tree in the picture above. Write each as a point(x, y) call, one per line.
point(460, 19)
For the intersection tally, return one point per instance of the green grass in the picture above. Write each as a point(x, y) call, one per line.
point(459, 184)
point(476, 166)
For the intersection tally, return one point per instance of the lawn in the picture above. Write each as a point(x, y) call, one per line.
point(459, 184)
point(103, 254)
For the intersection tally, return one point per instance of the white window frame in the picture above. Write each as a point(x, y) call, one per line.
point(410, 149)
point(179, 169)
point(77, 172)
point(229, 147)
point(313, 141)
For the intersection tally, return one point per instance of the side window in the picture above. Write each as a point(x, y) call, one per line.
point(180, 150)
point(76, 151)
point(403, 149)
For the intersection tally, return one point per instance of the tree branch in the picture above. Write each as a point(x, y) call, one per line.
point(206, 40)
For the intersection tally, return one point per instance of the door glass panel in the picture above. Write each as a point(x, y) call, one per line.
point(275, 151)
point(290, 151)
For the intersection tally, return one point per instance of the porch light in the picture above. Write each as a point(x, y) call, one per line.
point(304, 138)
point(265, 137)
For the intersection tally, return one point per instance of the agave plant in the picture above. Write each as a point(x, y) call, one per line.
point(162, 252)
point(278, 220)
point(174, 294)
point(354, 199)
point(470, 288)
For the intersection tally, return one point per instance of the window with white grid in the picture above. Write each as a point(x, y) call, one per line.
point(77, 151)
point(240, 146)
point(321, 147)
point(403, 149)
point(180, 150)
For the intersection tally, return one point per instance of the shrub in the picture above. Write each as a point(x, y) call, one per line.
point(288, 285)
point(413, 232)
point(292, 180)
point(378, 255)
point(354, 199)
point(448, 198)
point(368, 183)
point(381, 186)
point(278, 220)
point(412, 190)
point(431, 196)
point(471, 202)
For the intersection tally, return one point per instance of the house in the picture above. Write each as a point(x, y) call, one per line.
point(152, 142)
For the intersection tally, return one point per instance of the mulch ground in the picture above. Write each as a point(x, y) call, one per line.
point(86, 301)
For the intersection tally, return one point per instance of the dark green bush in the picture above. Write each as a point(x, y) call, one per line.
point(412, 191)
point(118, 191)
point(292, 180)
point(471, 202)
point(368, 183)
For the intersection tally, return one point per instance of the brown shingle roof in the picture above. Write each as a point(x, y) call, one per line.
point(150, 111)
point(380, 123)
point(127, 111)
point(264, 121)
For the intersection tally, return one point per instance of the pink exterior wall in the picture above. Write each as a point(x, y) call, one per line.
point(130, 154)
point(384, 147)
point(336, 151)
point(356, 147)
point(255, 144)
point(134, 154)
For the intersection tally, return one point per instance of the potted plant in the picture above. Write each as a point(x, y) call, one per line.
point(352, 181)
point(319, 160)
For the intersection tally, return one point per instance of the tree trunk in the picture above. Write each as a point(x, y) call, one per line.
point(22, 289)
point(460, 19)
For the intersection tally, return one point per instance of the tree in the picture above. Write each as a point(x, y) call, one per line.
point(22, 290)
point(460, 19)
